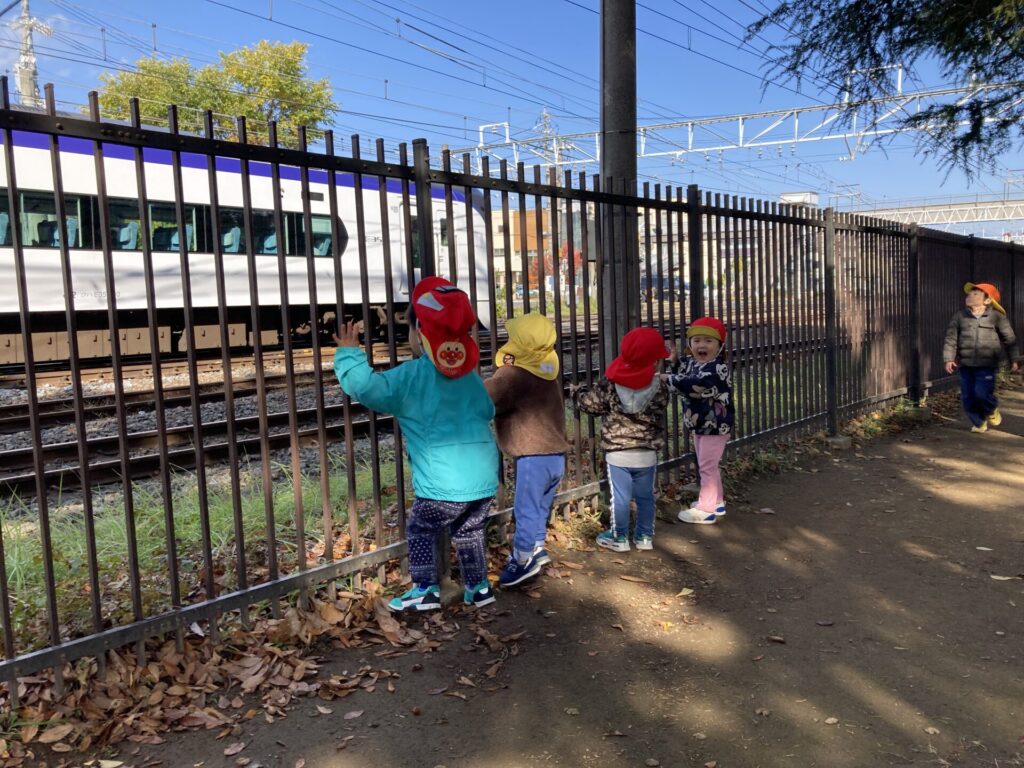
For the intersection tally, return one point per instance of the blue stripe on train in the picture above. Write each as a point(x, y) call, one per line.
point(226, 164)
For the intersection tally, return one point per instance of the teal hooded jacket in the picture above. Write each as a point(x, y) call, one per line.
point(446, 422)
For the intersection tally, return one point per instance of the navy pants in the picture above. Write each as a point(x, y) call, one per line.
point(537, 479)
point(978, 393)
point(466, 521)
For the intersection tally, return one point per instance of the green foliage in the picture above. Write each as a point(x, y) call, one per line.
point(850, 44)
point(264, 82)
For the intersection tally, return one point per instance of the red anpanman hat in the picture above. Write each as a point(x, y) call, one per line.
point(707, 326)
point(445, 318)
point(634, 367)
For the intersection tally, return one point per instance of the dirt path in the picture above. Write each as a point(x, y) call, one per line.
point(859, 625)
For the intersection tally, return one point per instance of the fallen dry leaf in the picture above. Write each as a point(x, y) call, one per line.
point(764, 511)
point(611, 734)
point(825, 623)
point(353, 714)
point(620, 562)
point(1002, 578)
point(711, 764)
point(931, 730)
point(683, 592)
point(324, 710)
point(618, 627)
point(637, 579)
point(777, 639)
point(762, 712)
point(534, 594)
point(56, 733)
point(457, 695)
point(300, 763)
point(463, 680)
point(831, 720)
point(437, 691)
point(234, 749)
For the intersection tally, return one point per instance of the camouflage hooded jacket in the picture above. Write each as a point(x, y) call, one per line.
point(631, 418)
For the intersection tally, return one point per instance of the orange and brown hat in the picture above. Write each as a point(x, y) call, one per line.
point(989, 290)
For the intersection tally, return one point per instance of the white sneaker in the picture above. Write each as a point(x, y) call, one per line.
point(697, 517)
point(720, 509)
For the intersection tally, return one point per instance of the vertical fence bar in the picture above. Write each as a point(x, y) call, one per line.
point(32, 397)
point(229, 394)
point(524, 245)
point(647, 254)
point(266, 479)
point(831, 372)
point(695, 238)
point(745, 358)
point(424, 206)
point(677, 289)
point(153, 320)
point(128, 496)
point(184, 246)
point(492, 292)
point(587, 309)
point(351, 507)
point(574, 374)
point(389, 298)
point(75, 365)
point(538, 222)
point(506, 229)
point(364, 289)
point(310, 258)
point(282, 247)
point(448, 229)
point(556, 283)
point(599, 257)
point(470, 251)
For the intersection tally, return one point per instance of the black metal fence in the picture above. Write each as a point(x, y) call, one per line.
point(182, 291)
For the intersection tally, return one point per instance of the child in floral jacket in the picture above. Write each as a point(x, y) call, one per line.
point(705, 384)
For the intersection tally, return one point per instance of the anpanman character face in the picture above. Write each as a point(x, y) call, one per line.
point(451, 354)
point(508, 359)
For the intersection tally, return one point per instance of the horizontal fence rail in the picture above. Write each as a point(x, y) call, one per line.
point(166, 309)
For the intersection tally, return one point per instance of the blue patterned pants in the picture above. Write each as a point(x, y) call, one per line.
point(465, 520)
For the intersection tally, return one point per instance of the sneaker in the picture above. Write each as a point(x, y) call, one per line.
point(516, 572)
point(983, 427)
point(720, 509)
point(540, 554)
point(614, 543)
point(697, 517)
point(422, 597)
point(995, 418)
point(643, 542)
point(479, 594)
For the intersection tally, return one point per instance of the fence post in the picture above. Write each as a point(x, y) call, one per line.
point(695, 249)
point(831, 328)
point(424, 214)
point(914, 308)
point(972, 246)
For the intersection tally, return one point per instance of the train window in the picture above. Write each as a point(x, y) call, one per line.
point(264, 234)
point(444, 232)
point(5, 219)
point(321, 235)
point(124, 224)
point(163, 224)
point(39, 226)
point(232, 230)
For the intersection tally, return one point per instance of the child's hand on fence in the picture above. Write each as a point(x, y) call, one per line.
point(574, 388)
point(673, 352)
point(348, 334)
point(950, 366)
point(1015, 367)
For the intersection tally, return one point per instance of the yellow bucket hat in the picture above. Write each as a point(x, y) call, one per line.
point(531, 343)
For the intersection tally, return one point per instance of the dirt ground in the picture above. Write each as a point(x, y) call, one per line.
point(866, 609)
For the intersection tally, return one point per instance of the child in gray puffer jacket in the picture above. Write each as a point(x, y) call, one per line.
point(977, 339)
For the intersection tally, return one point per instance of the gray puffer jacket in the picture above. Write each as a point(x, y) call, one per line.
point(980, 342)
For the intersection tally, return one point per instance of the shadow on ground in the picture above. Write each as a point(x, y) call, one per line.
point(859, 625)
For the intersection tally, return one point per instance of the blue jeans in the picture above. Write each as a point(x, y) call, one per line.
point(978, 393)
point(628, 483)
point(537, 479)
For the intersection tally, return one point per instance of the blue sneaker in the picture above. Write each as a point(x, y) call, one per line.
point(516, 573)
point(422, 597)
point(720, 509)
point(541, 555)
point(614, 543)
point(479, 594)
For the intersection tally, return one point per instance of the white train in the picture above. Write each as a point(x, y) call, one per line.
point(41, 233)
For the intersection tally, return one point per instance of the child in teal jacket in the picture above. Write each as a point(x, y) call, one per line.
point(445, 414)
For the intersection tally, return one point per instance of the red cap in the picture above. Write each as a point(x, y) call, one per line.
point(634, 367)
point(445, 318)
point(707, 326)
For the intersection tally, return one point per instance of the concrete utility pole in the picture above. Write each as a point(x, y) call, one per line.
point(620, 267)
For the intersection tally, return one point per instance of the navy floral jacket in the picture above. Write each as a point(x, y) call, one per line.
point(707, 391)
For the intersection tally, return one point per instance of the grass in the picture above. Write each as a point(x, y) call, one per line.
point(24, 551)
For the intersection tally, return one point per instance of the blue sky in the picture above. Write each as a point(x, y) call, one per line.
point(453, 65)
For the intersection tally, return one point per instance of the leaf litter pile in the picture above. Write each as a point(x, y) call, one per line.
point(254, 672)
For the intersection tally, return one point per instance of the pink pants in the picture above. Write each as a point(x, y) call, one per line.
point(709, 450)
